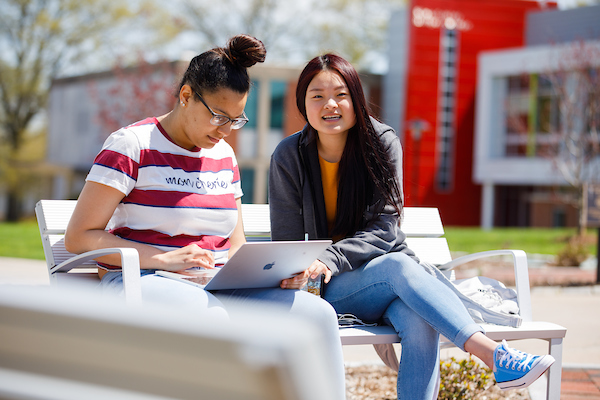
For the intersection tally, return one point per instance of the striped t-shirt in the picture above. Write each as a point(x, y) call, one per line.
point(173, 196)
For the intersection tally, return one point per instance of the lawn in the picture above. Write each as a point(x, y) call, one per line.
point(22, 240)
point(531, 240)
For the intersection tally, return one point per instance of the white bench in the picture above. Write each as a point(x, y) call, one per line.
point(424, 230)
point(74, 343)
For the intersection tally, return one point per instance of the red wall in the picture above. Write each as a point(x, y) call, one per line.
point(494, 24)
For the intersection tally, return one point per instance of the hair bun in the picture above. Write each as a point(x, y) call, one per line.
point(245, 50)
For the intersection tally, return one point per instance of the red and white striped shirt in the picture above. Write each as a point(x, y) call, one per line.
point(173, 196)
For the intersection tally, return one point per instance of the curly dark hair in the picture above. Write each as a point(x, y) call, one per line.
point(225, 67)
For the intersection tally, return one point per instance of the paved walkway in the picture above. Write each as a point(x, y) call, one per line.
point(575, 307)
point(580, 384)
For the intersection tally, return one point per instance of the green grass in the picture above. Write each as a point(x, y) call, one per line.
point(531, 240)
point(21, 240)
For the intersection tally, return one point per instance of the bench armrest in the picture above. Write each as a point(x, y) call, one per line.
point(521, 275)
point(130, 261)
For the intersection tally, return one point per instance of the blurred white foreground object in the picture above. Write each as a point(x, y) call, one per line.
point(76, 344)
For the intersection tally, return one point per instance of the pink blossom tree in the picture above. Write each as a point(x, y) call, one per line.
point(134, 93)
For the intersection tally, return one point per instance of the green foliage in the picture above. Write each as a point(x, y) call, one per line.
point(40, 38)
point(21, 240)
point(292, 30)
point(463, 379)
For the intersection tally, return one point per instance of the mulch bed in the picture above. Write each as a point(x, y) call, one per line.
point(378, 382)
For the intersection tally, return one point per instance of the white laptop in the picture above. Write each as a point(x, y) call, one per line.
point(256, 265)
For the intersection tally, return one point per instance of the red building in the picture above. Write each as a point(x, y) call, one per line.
point(443, 38)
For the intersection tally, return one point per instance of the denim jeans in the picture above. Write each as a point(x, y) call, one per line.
point(157, 289)
point(393, 287)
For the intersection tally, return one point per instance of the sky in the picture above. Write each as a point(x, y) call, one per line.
point(188, 41)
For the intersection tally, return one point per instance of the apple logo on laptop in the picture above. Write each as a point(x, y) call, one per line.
point(269, 265)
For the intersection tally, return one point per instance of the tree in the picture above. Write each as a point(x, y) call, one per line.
point(565, 125)
point(356, 29)
point(39, 39)
point(293, 31)
point(574, 147)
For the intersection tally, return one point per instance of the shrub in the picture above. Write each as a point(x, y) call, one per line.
point(574, 253)
point(463, 379)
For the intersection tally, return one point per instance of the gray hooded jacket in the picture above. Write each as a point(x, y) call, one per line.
point(297, 204)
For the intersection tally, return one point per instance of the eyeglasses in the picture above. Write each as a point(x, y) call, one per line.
point(220, 119)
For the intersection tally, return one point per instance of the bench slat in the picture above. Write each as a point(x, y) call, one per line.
point(358, 335)
point(60, 253)
point(422, 222)
point(256, 219)
point(57, 214)
point(433, 250)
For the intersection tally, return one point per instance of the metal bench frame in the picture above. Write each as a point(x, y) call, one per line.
point(424, 230)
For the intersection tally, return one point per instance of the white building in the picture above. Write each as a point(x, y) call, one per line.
point(517, 113)
point(79, 108)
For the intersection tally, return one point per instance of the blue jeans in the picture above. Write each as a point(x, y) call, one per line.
point(393, 287)
point(157, 289)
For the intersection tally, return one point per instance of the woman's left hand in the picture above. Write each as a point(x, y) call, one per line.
point(297, 282)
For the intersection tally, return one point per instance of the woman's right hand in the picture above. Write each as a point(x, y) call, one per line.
point(317, 268)
point(186, 257)
point(299, 281)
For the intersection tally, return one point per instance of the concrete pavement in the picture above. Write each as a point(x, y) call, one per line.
point(22, 271)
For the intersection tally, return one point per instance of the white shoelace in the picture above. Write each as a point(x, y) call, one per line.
point(514, 358)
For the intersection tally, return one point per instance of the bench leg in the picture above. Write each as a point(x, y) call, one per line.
point(555, 371)
point(387, 353)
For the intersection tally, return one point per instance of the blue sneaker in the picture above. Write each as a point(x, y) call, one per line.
point(516, 369)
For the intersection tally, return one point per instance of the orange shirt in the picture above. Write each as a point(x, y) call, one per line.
point(329, 177)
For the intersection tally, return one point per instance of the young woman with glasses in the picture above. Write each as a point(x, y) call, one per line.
point(169, 186)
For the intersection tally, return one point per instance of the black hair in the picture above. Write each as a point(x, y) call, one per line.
point(365, 168)
point(225, 67)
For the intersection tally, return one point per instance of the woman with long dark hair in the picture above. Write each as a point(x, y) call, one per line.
point(340, 178)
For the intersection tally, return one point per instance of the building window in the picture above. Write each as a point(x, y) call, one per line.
point(547, 120)
point(532, 115)
point(251, 109)
point(278, 92)
point(541, 108)
point(559, 218)
point(247, 177)
point(517, 114)
point(258, 139)
point(247, 137)
point(278, 89)
point(446, 108)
